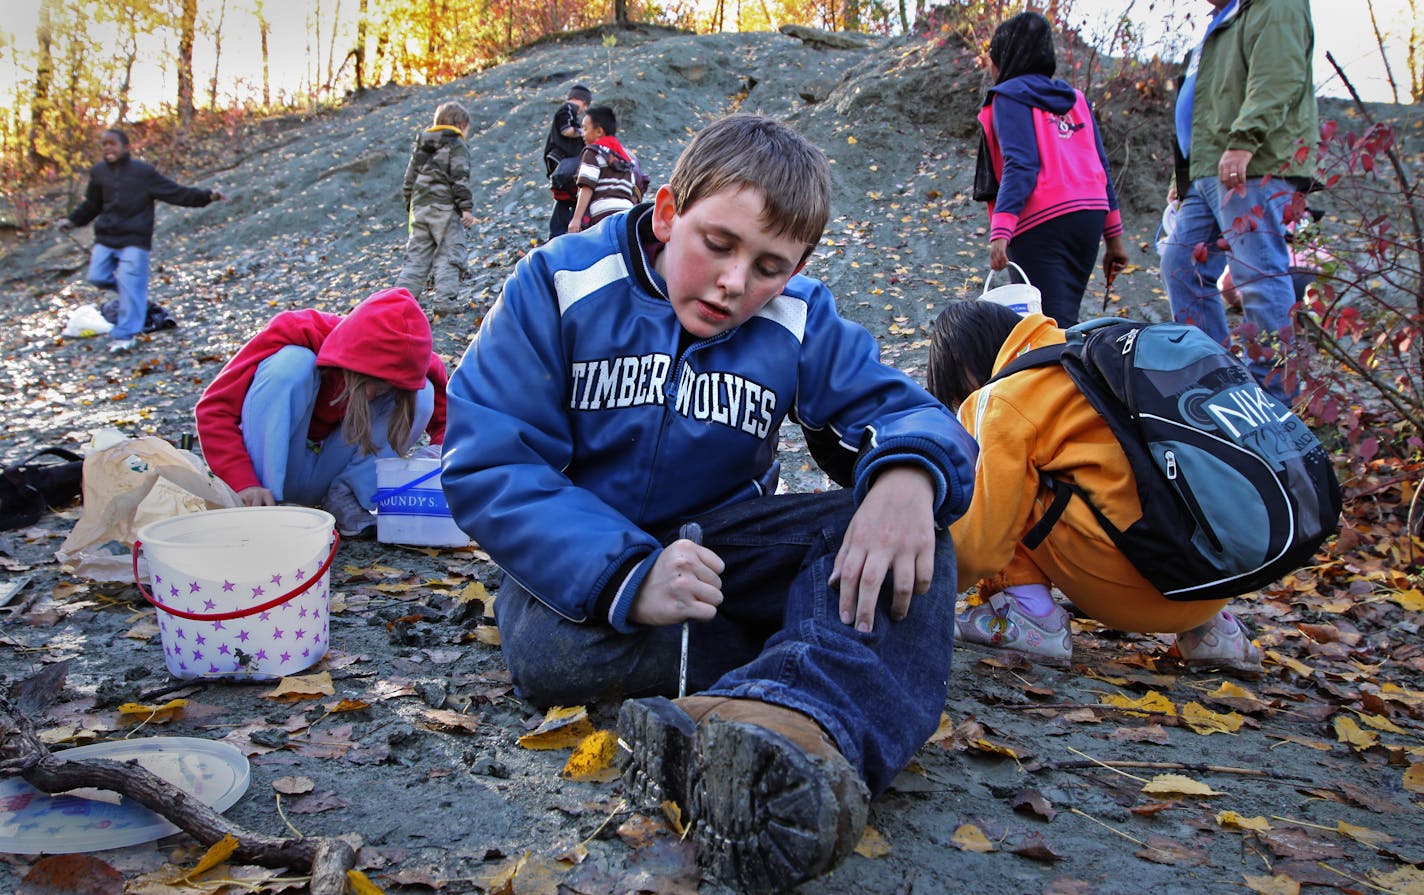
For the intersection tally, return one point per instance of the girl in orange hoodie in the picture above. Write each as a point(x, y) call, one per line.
point(303, 410)
point(1037, 423)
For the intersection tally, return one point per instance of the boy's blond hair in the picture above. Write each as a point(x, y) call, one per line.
point(746, 150)
point(453, 114)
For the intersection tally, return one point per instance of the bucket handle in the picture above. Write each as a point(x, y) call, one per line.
point(236, 613)
point(1022, 276)
point(386, 494)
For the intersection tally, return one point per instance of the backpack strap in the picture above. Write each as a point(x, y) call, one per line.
point(1046, 356)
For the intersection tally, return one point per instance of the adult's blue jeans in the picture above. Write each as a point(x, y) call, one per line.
point(777, 637)
point(276, 414)
point(1258, 257)
point(126, 272)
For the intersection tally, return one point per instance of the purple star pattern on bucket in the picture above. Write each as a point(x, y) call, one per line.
point(281, 640)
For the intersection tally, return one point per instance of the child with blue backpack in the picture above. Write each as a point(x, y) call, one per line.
point(1025, 531)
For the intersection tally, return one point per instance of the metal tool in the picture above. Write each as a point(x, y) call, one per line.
point(690, 531)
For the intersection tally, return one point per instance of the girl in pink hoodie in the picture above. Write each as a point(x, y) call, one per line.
point(1043, 172)
point(303, 410)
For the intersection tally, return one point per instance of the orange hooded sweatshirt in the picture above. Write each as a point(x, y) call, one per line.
point(1033, 423)
point(386, 336)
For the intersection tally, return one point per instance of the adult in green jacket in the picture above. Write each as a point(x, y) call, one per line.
point(1246, 126)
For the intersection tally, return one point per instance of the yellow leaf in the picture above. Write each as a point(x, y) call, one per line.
point(1295, 665)
point(1347, 731)
point(1235, 821)
point(561, 728)
point(1397, 693)
point(487, 634)
point(593, 757)
point(673, 812)
point(1410, 599)
point(1230, 690)
point(1152, 702)
point(305, 686)
point(474, 591)
point(970, 838)
point(1206, 722)
point(218, 853)
point(1280, 884)
point(985, 745)
point(872, 844)
point(1380, 722)
point(362, 885)
point(1373, 838)
point(348, 705)
point(1178, 785)
point(153, 714)
point(852, 140)
point(1414, 778)
point(1406, 880)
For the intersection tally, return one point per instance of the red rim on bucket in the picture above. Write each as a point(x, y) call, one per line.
point(236, 613)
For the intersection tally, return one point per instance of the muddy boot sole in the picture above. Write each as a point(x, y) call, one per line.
point(657, 741)
point(766, 815)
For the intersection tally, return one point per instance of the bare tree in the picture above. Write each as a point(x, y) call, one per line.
point(217, 57)
point(360, 50)
point(187, 29)
point(264, 29)
point(1384, 57)
point(44, 78)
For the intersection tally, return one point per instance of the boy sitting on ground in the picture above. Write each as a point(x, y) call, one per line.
point(633, 379)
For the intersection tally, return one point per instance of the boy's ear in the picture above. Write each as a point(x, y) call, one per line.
point(664, 210)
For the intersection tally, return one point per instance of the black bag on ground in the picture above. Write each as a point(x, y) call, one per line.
point(156, 319)
point(1236, 491)
point(29, 489)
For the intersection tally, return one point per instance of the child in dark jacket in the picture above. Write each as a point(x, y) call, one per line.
point(119, 200)
point(439, 205)
point(1043, 172)
point(304, 409)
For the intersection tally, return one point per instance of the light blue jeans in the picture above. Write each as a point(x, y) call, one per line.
point(276, 414)
point(126, 272)
point(1260, 263)
point(777, 637)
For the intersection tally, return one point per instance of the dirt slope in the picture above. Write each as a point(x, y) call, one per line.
point(315, 219)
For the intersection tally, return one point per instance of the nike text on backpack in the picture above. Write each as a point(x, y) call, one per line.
point(1235, 490)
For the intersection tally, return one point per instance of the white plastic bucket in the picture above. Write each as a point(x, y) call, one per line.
point(1021, 298)
point(410, 504)
point(241, 593)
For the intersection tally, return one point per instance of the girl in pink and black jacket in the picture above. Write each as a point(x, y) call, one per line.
point(1043, 171)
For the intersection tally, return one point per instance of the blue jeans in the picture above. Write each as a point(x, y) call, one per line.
point(1057, 256)
point(126, 272)
point(777, 638)
point(1259, 259)
point(276, 414)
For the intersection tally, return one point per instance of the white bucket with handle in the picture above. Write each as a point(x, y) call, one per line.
point(1021, 298)
point(241, 593)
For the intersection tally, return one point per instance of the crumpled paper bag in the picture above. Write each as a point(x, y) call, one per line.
point(126, 486)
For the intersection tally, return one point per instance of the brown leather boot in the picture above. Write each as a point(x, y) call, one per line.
point(770, 799)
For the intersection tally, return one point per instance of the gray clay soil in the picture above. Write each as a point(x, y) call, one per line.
point(314, 219)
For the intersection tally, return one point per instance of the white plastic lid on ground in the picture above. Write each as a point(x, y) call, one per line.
point(33, 823)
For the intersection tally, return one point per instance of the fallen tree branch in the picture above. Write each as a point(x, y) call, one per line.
point(21, 753)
